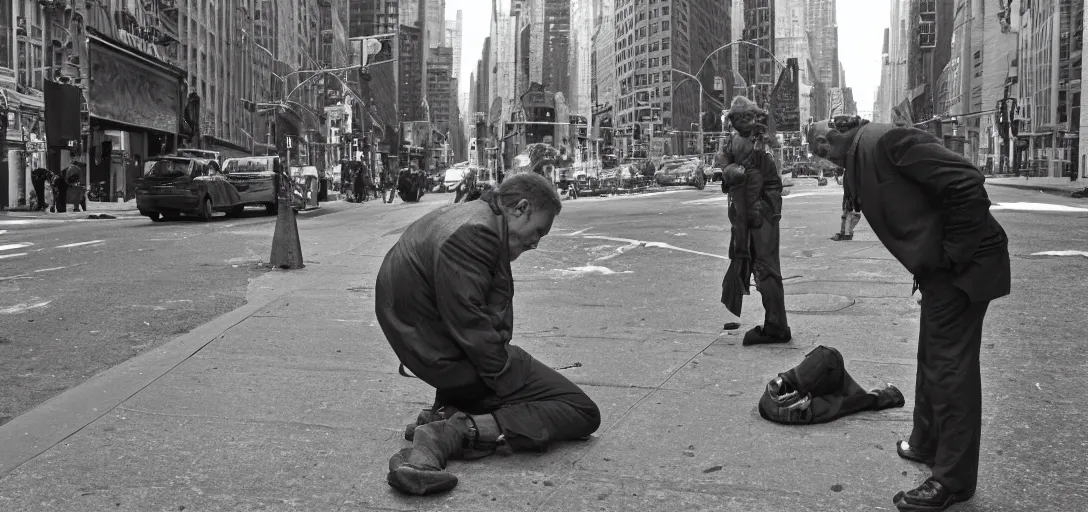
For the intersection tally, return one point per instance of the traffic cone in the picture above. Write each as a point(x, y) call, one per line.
point(286, 247)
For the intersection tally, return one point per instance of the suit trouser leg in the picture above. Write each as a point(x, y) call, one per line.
point(768, 272)
point(950, 423)
point(547, 409)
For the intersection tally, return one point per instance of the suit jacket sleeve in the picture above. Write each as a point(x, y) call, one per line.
point(462, 282)
point(923, 160)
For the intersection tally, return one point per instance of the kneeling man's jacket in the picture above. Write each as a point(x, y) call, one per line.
point(444, 300)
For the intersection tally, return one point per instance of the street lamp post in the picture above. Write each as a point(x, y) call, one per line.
point(700, 116)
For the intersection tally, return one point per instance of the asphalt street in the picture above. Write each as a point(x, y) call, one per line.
point(296, 404)
point(78, 296)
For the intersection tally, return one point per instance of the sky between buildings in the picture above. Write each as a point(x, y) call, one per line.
point(861, 36)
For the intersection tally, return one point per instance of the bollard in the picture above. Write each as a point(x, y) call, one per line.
point(286, 246)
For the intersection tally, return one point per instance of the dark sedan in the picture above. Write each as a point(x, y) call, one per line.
point(256, 178)
point(176, 185)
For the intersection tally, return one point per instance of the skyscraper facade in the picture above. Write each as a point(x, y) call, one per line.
point(604, 47)
point(651, 41)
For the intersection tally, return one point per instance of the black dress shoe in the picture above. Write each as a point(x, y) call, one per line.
point(930, 496)
point(760, 336)
point(905, 451)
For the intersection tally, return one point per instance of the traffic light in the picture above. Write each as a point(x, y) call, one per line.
point(637, 132)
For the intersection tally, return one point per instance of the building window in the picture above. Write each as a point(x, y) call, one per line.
point(665, 25)
point(927, 34)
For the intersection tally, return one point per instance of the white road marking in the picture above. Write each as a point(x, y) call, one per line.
point(19, 245)
point(580, 231)
point(5, 256)
point(77, 244)
point(1036, 207)
point(1061, 253)
point(19, 308)
point(636, 243)
point(2, 231)
point(49, 269)
point(593, 268)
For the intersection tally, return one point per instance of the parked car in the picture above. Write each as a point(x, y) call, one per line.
point(453, 176)
point(200, 153)
point(257, 180)
point(681, 171)
point(175, 185)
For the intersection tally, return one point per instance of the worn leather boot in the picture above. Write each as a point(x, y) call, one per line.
point(423, 471)
point(427, 416)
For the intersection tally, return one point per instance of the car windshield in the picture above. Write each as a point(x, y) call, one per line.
point(168, 168)
point(247, 165)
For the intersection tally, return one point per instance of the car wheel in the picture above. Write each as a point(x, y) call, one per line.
point(700, 182)
point(206, 210)
point(154, 216)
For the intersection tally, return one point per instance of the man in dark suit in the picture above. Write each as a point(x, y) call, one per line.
point(929, 208)
point(444, 301)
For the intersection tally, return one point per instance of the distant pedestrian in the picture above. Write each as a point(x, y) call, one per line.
point(929, 207)
point(75, 191)
point(60, 192)
point(38, 177)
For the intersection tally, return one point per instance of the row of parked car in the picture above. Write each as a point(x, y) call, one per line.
point(195, 184)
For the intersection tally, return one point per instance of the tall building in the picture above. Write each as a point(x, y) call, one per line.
point(440, 96)
point(369, 17)
point(736, 27)
point(651, 41)
point(1050, 35)
point(929, 51)
point(481, 102)
point(824, 30)
point(894, 88)
point(757, 65)
point(581, 58)
point(453, 40)
point(551, 20)
point(1082, 134)
point(22, 82)
point(792, 40)
point(604, 43)
point(434, 18)
point(411, 54)
point(409, 12)
point(882, 103)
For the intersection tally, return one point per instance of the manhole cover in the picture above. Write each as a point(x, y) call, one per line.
point(817, 303)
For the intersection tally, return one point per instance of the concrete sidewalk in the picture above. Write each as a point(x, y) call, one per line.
point(292, 402)
point(1061, 186)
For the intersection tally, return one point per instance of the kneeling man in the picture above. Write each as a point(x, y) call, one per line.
point(444, 301)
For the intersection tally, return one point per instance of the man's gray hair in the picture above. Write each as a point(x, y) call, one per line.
point(540, 192)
